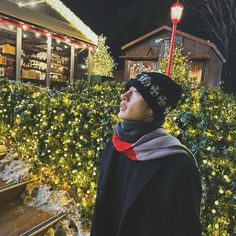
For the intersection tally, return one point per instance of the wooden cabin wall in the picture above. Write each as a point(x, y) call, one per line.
point(138, 50)
point(196, 48)
point(149, 47)
point(214, 71)
point(143, 48)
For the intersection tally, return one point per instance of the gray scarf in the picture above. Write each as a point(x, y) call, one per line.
point(153, 145)
point(131, 131)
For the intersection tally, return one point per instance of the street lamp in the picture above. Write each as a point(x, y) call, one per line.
point(176, 11)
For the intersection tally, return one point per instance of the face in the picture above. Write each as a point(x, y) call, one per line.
point(134, 107)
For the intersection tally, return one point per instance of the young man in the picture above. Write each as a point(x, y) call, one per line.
point(149, 183)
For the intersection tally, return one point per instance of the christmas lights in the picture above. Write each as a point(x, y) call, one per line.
point(103, 62)
point(40, 31)
point(65, 12)
point(73, 19)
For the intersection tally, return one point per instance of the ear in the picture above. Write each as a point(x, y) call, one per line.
point(150, 115)
point(150, 111)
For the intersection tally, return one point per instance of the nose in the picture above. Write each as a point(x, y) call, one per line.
point(125, 96)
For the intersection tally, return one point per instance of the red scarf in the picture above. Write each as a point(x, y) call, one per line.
point(123, 146)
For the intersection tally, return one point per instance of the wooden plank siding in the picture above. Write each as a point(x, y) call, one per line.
point(214, 70)
point(194, 47)
point(144, 49)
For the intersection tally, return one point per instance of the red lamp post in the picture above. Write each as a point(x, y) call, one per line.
point(176, 13)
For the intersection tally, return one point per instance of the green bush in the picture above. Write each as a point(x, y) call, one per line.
point(205, 123)
point(62, 134)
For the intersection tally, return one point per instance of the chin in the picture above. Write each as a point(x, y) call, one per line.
point(122, 116)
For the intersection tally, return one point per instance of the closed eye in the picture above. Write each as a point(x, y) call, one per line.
point(136, 91)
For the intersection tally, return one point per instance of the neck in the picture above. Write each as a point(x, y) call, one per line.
point(131, 131)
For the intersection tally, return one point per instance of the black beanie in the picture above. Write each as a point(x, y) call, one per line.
point(161, 93)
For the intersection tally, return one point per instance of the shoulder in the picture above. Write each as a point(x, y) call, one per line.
point(108, 150)
point(180, 165)
point(108, 145)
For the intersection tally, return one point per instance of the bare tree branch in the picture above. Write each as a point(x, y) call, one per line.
point(219, 17)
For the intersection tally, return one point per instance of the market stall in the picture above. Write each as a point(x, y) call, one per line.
point(44, 43)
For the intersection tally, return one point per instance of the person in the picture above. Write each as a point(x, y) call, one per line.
point(149, 183)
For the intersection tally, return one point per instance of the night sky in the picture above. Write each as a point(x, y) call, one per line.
point(95, 12)
point(125, 20)
point(119, 20)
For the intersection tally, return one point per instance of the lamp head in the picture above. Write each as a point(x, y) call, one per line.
point(176, 12)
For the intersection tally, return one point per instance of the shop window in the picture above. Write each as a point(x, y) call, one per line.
point(135, 67)
point(149, 66)
point(60, 63)
point(34, 58)
point(7, 51)
point(196, 70)
point(81, 68)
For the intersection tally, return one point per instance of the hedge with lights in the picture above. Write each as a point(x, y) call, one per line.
point(62, 134)
point(206, 123)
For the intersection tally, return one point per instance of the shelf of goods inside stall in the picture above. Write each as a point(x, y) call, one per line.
point(7, 49)
point(58, 77)
point(35, 59)
point(32, 68)
point(56, 73)
point(57, 64)
point(33, 74)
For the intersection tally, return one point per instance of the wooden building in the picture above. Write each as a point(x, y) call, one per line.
point(43, 42)
point(143, 54)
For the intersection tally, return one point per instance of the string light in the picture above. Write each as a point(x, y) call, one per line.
point(11, 27)
point(68, 40)
point(39, 32)
point(25, 27)
point(32, 3)
point(73, 19)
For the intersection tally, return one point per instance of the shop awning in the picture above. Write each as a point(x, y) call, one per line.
point(41, 20)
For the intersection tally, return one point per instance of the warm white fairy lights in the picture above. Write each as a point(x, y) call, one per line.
point(33, 3)
point(73, 19)
point(68, 15)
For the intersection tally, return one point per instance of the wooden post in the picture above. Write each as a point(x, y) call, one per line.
point(90, 64)
point(49, 56)
point(18, 53)
point(72, 63)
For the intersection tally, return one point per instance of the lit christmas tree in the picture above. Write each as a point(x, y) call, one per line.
point(180, 65)
point(103, 62)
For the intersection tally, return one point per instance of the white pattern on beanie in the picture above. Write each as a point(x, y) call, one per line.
point(145, 80)
point(155, 90)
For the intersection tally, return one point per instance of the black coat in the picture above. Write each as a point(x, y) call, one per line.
point(163, 198)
